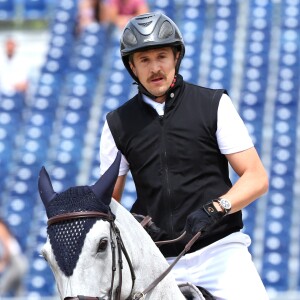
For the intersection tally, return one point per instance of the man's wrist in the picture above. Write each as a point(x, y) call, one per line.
point(224, 204)
point(218, 206)
point(211, 209)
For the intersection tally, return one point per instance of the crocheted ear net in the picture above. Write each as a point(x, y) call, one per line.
point(67, 237)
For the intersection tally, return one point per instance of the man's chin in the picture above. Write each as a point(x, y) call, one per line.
point(158, 93)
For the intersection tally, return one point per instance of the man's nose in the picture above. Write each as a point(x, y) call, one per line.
point(154, 66)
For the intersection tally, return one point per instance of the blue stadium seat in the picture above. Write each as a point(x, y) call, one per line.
point(192, 28)
point(7, 10)
point(35, 9)
point(11, 102)
point(167, 7)
point(53, 127)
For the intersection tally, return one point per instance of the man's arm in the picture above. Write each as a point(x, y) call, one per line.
point(253, 181)
point(108, 152)
point(119, 188)
point(5, 238)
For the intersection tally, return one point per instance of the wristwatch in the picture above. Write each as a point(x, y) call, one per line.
point(225, 204)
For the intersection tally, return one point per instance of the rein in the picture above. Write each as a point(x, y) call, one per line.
point(147, 221)
point(120, 249)
point(141, 295)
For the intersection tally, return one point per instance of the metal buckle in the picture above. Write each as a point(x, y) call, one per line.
point(138, 296)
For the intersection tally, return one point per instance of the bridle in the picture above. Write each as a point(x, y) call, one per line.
point(114, 230)
point(115, 247)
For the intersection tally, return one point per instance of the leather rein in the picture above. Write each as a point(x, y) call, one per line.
point(114, 230)
point(120, 248)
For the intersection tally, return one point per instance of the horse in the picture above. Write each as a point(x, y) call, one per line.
point(96, 249)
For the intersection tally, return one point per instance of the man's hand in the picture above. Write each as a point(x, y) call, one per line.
point(157, 234)
point(203, 219)
point(150, 226)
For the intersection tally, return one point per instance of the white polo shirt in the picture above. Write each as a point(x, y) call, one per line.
point(232, 134)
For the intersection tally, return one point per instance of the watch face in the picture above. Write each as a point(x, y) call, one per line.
point(225, 203)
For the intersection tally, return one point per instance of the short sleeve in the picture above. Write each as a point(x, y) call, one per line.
point(108, 152)
point(232, 134)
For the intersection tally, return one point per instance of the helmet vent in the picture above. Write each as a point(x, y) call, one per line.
point(145, 24)
point(145, 16)
point(129, 38)
point(166, 30)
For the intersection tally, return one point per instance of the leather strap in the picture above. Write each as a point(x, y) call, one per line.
point(79, 297)
point(120, 248)
point(140, 295)
point(146, 221)
point(159, 243)
point(211, 210)
point(79, 214)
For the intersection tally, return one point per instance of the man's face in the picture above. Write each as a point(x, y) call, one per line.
point(10, 47)
point(155, 70)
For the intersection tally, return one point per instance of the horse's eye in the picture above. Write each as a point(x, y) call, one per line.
point(102, 245)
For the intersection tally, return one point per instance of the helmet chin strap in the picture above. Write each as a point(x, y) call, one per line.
point(151, 96)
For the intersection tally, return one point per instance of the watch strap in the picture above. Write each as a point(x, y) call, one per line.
point(226, 210)
point(211, 210)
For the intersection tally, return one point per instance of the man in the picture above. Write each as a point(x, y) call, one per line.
point(119, 12)
point(13, 263)
point(177, 140)
point(13, 73)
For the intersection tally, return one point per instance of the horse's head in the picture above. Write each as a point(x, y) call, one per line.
point(83, 244)
point(85, 248)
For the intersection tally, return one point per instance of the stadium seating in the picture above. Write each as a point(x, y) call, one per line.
point(26, 10)
point(192, 24)
point(7, 10)
point(254, 85)
point(278, 242)
point(250, 48)
point(35, 9)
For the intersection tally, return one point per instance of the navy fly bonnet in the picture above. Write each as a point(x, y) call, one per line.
point(67, 237)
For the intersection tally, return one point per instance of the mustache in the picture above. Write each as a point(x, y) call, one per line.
point(154, 76)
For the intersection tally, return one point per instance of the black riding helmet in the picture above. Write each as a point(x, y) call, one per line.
point(151, 30)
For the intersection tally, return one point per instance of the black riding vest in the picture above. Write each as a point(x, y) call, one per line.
point(175, 160)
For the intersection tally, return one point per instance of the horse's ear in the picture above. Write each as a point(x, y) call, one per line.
point(104, 187)
point(46, 190)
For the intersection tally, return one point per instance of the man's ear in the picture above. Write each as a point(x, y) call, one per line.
point(177, 56)
point(132, 67)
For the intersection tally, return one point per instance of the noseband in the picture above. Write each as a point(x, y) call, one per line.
point(114, 231)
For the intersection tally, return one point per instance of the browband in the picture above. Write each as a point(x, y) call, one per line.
point(80, 214)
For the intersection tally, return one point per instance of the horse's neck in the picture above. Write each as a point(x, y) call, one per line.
point(147, 260)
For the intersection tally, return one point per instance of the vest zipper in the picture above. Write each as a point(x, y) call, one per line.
point(166, 171)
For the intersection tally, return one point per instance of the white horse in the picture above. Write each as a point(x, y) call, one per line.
point(96, 248)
